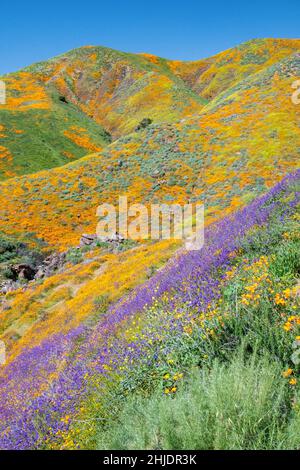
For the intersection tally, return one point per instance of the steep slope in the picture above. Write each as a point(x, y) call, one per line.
point(118, 89)
point(72, 296)
point(77, 336)
point(236, 148)
point(78, 373)
point(39, 131)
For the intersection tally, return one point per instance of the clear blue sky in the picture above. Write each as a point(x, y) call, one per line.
point(188, 29)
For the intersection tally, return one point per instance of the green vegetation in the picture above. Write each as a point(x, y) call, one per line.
point(42, 143)
point(123, 350)
point(13, 252)
point(239, 405)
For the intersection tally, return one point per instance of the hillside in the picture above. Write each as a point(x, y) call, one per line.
point(212, 76)
point(69, 106)
point(148, 342)
point(72, 105)
point(113, 327)
point(242, 142)
point(38, 131)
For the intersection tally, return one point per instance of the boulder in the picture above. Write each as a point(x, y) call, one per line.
point(115, 238)
point(87, 239)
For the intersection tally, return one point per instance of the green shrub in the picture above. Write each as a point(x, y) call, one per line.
point(74, 256)
point(238, 405)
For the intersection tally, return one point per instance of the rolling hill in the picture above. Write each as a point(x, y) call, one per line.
point(74, 104)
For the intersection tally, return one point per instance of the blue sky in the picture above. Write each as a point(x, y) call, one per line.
point(31, 31)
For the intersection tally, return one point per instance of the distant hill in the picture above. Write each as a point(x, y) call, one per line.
point(64, 108)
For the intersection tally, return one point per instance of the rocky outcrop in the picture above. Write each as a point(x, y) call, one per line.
point(88, 240)
point(91, 239)
point(23, 271)
point(22, 274)
point(50, 264)
point(114, 239)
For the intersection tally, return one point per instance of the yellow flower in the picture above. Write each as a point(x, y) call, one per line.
point(166, 376)
point(279, 300)
point(173, 389)
point(293, 381)
point(167, 391)
point(287, 373)
point(177, 376)
point(66, 419)
point(287, 293)
point(287, 326)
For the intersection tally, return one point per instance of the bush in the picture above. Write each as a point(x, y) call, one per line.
point(74, 256)
point(143, 124)
point(240, 405)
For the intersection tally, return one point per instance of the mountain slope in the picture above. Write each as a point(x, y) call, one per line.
point(236, 148)
point(115, 319)
point(67, 107)
point(38, 131)
point(64, 108)
point(118, 89)
point(212, 76)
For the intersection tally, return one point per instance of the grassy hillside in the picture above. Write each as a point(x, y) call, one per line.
point(212, 76)
point(38, 131)
point(119, 89)
point(65, 108)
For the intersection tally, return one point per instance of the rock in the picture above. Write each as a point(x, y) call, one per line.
point(23, 271)
point(50, 264)
point(87, 239)
point(157, 173)
point(116, 238)
point(40, 273)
